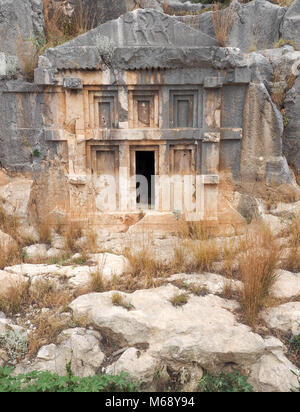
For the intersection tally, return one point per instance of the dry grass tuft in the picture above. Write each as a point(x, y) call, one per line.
point(222, 21)
point(282, 83)
point(42, 294)
point(228, 291)
point(45, 294)
point(15, 299)
point(292, 260)
point(96, 283)
point(198, 290)
point(46, 332)
point(73, 232)
point(9, 223)
point(193, 230)
point(44, 229)
point(9, 256)
point(145, 266)
point(204, 254)
point(257, 265)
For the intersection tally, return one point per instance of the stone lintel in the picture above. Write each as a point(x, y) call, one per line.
point(213, 82)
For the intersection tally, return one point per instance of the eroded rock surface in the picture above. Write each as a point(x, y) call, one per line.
point(203, 332)
point(78, 345)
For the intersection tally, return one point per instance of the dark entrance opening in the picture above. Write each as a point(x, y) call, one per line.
point(145, 166)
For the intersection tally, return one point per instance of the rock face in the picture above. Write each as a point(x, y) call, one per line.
point(261, 158)
point(256, 25)
point(291, 23)
point(100, 11)
point(19, 19)
point(203, 332)
point(291, 146)
point(78, 345)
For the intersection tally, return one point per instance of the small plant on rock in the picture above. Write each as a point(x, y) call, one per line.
point(50, 382)
point(118, 300)
point(232, 382)
point(179, 299)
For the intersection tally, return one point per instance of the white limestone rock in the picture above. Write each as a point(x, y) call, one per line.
point(15, 197)
point(111, 265)
point(78, 345)
point(7, 242)
point(9, 281)
point(212, 282)
point(274, 373)
point(37, 251)
point(140, 365)
point(287, 285)
point(284, 317)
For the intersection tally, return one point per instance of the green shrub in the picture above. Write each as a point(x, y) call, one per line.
point(231, 382)
point(50, 382)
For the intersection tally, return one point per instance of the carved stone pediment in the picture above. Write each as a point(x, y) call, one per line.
point(145, 28)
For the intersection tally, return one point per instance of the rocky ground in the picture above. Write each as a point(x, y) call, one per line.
point(142, 305)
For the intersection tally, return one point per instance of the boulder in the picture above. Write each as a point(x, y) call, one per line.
point(15, 197)
point(9, 281)
point(7, 242)
point(54, 253)
point(38, 251)
point(273, 373)
point(7, 326)
point(111, 265)
point(138, 364)
point(78, 345)
point(287, 285)
point(284, 317)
